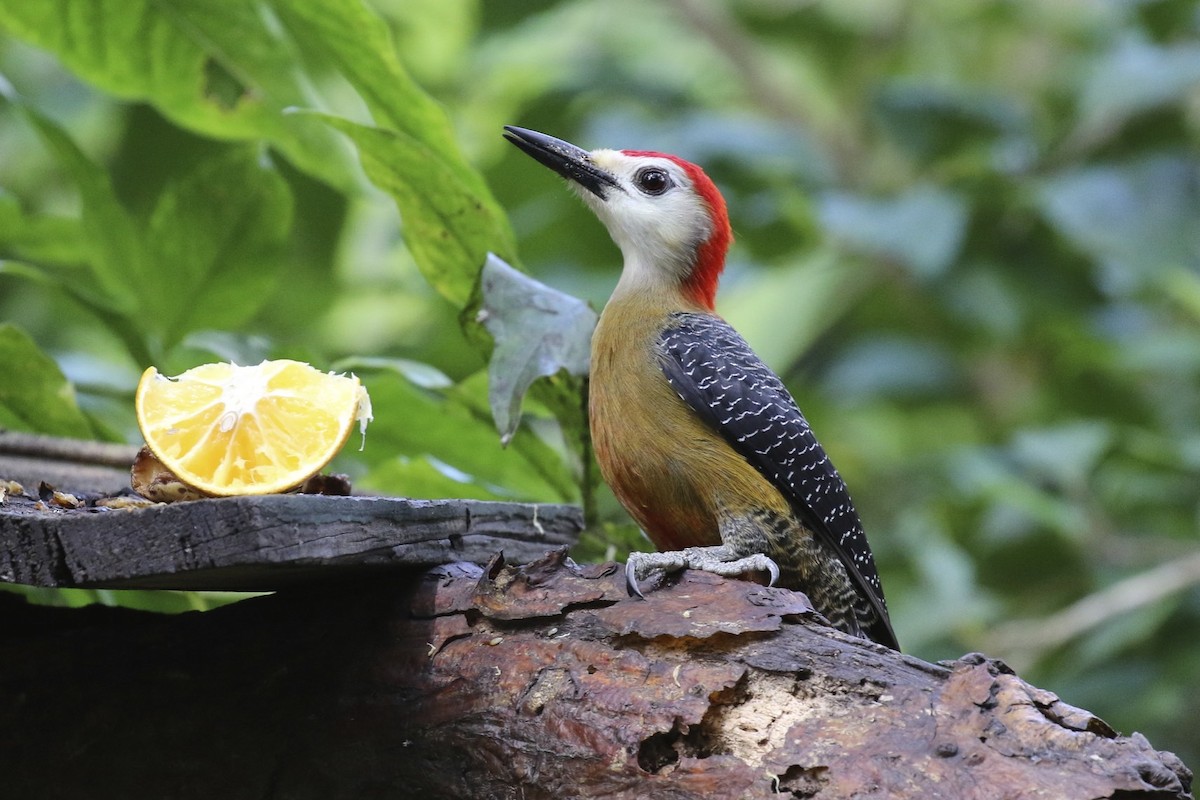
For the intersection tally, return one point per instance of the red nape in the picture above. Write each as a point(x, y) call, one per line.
point(701, 284)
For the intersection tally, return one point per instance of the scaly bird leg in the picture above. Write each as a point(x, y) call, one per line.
point(719, 559)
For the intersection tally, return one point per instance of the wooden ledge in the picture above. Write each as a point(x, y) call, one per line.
point(264, 543)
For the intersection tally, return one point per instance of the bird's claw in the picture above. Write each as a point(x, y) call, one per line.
point(631, 577)
point(773, 571)
point(639, 566)
point(717, 560)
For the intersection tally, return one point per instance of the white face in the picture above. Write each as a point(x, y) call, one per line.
point(655, 217)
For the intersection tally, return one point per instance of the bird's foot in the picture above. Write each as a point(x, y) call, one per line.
point(719, 560)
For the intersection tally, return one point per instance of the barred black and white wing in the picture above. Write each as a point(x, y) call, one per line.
point(715, 372)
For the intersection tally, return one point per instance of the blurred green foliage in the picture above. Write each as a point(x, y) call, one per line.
point(968, 237)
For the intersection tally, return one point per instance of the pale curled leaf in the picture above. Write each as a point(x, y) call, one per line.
point(537, 330)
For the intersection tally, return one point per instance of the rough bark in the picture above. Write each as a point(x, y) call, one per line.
point(530, 682)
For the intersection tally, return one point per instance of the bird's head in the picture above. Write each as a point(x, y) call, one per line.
point(664, 213)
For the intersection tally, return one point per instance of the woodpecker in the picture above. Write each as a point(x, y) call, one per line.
point(698, 438)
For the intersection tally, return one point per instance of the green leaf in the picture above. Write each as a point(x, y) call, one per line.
point(35, 396)
point(1137, 221)
point(356, 41)
point(548, 462)
point(426, 478)
point(537, 331)
point(40, 238)
point(1183, 286)
point(418, 373)
point(29, 272)
point(414, 423)
point(214, 66)
point(922, 228)
point(449, 224)
point(110, 235)
point(130, 335)
point(215, 241)
point(449, 216)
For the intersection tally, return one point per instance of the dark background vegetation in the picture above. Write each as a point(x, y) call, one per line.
point(968, 235)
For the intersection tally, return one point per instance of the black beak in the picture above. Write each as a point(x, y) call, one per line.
point(572, 162)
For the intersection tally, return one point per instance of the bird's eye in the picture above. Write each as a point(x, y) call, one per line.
point(652, 180)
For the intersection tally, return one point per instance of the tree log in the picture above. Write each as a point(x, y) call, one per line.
point(543, 681)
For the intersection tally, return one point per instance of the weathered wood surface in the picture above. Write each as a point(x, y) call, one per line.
point(540, 682)
point(264, 543)
point(86, 466)
point(241, 543)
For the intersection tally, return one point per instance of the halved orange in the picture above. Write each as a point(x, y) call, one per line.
point(226, 429)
